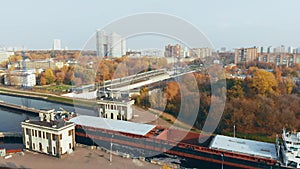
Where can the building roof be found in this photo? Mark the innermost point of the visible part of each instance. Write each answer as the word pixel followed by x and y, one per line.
pixel 244 146
pixel 115 125
pixel 52 124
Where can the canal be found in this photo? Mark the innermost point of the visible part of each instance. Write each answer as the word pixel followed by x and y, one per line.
pixel 10 120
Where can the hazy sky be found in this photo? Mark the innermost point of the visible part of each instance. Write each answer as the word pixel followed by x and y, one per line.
pixel 230 23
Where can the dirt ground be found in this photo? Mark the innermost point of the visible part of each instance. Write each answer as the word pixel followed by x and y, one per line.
pixel 81 158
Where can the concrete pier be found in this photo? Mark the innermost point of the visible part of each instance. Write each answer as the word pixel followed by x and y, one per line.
pixel 21 108
pixel 10 134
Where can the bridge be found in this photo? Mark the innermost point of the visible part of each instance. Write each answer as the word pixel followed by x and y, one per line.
pixel 142 79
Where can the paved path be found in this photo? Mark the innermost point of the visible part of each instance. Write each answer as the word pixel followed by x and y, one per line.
pixel 81 158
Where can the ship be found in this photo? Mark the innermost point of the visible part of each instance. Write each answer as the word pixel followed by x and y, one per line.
pixel 144 140
pixel 290 148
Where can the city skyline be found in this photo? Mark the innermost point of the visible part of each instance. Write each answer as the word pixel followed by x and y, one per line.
pixel 231 24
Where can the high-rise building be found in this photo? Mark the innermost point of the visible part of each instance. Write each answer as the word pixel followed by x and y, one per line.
pixel 173 50
pixel 279 49
pixel 113 44
pixel 201 52
pixel 297 50
pixel 261 49
pixel 290 49
pixel 270 49
pixel 244 55
pixel 56 44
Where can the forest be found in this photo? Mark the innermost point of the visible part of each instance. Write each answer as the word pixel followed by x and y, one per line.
pixel 260 105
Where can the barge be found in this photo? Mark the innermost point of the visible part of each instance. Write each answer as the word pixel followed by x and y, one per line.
pixel 149 140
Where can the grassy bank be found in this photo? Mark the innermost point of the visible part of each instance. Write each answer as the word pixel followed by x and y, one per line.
pixel 49 97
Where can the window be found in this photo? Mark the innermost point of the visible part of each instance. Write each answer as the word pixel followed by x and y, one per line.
pixel 40 134
pixel 53 137
pixel 35 133
pixel 33 146
pixel 70 146
pixel 70 132
pixel 48 135
pixel 54 152
pixel 60 136
pixel 41 146
pixel 111 115
pixel 28 131
pixel 43 134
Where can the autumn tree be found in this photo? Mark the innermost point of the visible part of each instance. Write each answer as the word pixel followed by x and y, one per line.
pixel 49 76
pixel 263 83
pixel 60 76
pixel 87 76
pixel 43 80
pixel 15 58
pixel 235 88
pixel 69 76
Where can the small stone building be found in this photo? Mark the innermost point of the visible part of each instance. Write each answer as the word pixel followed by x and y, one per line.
pixel 50 137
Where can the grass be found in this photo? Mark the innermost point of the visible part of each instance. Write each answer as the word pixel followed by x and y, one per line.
pixel 257 137
pixel 56 88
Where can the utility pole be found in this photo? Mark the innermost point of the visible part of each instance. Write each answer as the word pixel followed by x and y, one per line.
pixel 110 152
pixel 222 156
pixel 234 130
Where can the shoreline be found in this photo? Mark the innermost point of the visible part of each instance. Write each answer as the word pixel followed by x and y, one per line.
pixel 48 97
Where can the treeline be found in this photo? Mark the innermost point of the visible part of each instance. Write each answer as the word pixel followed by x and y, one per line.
pixel 87 69
pixel 263 103
pixel 70 75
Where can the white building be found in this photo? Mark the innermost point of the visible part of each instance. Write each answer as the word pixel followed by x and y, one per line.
pixel 20 78
pixel 110 44
pixel 201 52
pixel 117 110
pixel 4 56
pixel 290 49
pixel 279 49
pixel 49 137
pixel 56 44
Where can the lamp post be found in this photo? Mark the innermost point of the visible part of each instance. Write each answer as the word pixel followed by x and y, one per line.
pixel 222 156
pixel 234 130
pixel 110 152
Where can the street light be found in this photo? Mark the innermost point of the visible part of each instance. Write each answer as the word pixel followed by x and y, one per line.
pixel 234 130
pixel 222 161
pixel 111 144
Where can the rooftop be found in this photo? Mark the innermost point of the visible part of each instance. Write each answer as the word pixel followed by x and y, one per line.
pixel 115 125
pixel 52 124
pixel 244 146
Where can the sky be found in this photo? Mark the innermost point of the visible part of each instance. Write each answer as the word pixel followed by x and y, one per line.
pixel 229 23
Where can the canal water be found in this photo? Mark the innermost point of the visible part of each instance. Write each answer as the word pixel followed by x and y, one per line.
pixel 10 120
